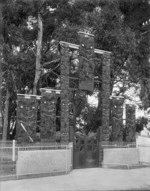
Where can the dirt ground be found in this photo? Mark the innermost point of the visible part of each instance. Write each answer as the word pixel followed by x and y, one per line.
pixel 91 179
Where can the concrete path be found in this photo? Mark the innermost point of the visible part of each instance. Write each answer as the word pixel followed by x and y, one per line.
pixel 85 180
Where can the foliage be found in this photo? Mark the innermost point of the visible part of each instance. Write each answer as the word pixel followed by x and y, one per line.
pixel 140 123
pixel 117 28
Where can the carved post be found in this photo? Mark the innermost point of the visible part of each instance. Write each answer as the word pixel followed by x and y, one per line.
pixel 26 118
pixel 117 122
pixel 48 115
pixel 86 66
pixel 105 97
pixel 71 117
pixel 65 67
pixel 130 122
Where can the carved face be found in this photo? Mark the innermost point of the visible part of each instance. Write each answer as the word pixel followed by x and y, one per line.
pixel 130 109
pixel 87 42
pixel 86 46
pixel 47 104
pixel 26 109
pixel 65 49
pixel 117 101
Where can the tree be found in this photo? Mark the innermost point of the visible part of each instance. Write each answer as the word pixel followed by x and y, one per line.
pixel 1 57
pixel 38 54
pixel 22 67
pixel 33 29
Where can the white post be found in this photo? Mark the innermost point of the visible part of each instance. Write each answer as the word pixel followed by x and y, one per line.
pixel 71 155
pixel 13 151
pixel 66 159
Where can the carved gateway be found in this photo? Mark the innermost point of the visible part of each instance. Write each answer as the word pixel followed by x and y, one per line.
pixel 86 80
pixel 85 77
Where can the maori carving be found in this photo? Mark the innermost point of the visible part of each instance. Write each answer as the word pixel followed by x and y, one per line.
pixel 117 114
pixel 130 122
pixel 86 61
pixel 65 69
pixel 105 97
pixel 26 118
pixel 48 115
pixel 86 70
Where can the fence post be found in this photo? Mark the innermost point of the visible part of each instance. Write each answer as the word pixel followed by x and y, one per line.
pixel 66 159
pixel 13 150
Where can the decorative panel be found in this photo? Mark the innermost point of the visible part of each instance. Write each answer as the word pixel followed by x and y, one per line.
pixel 130 123
pixel 117 118
pixel 48 115
pixel 65 69
pixel 86 61
pixel 105 97
pixel 26 118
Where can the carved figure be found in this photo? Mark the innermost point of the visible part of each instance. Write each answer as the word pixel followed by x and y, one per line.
pixel 27 116
pixel 65 69
pixel 48 116
pixel 130 123
pixel 86 62
pixel 117 113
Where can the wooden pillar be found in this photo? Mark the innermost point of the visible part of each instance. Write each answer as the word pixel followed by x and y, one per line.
pixel 130 123
pixel 105 132
pixel 48 114
pixel 65 68
pixel 117 118
pixel 71 117
pixel 26 118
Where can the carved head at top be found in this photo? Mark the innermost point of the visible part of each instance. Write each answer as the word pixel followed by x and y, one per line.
pixel 86 41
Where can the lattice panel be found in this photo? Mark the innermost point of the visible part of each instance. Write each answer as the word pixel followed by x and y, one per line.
pixel 86 61
pixel 48 115
pixel 26 118
pixel 65 70
pixel 117 118
pixel 130 123
pixel 105 97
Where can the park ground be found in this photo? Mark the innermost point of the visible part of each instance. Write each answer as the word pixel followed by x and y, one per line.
pixel 91 179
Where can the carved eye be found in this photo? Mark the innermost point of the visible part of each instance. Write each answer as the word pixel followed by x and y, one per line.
pixel 33 107
pixel 82 45
pixel 21 106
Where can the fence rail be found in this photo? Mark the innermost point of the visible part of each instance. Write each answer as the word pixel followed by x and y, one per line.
pixel 118 145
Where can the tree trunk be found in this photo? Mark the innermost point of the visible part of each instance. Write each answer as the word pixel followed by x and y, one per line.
pixel 38 54
pixel 1 57
pixel 5 127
